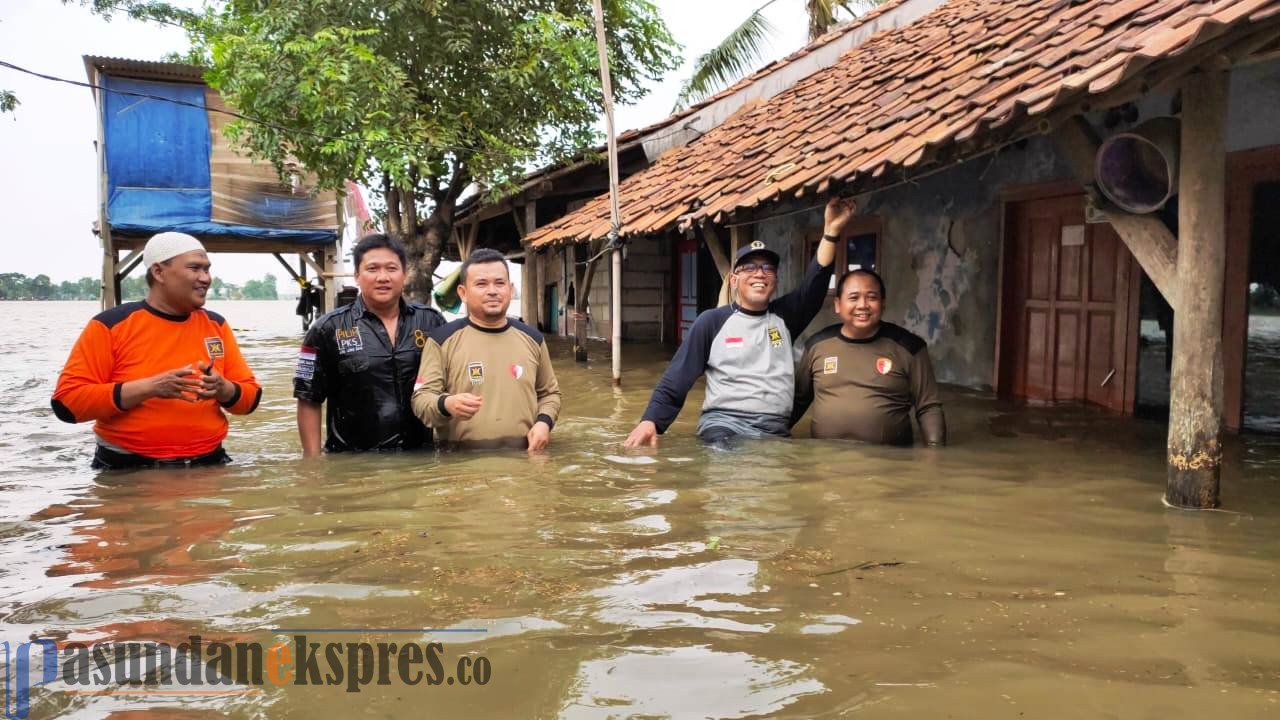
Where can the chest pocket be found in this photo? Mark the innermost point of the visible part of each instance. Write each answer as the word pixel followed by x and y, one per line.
pixel 353 364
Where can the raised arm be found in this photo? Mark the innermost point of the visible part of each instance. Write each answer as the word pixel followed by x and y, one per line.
pixel 798 307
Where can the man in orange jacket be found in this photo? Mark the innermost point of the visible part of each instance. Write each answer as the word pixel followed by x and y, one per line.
pixel 122 374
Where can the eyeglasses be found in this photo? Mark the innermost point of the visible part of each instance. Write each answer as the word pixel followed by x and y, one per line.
pixel 753 268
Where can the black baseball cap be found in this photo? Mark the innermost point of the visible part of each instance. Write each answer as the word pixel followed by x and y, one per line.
pixel 756 247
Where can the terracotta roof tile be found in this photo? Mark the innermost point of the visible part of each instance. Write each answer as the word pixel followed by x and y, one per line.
pixel 968 67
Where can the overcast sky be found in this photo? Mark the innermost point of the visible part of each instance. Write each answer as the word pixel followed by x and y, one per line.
pixel 47 178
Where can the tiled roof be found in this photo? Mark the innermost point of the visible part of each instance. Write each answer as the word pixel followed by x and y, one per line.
pixel 968 68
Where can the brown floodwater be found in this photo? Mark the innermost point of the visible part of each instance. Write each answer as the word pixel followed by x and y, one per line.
pixel 1027 571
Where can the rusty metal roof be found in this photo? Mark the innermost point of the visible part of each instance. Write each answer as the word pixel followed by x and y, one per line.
pixel 143 69
pixel 966 70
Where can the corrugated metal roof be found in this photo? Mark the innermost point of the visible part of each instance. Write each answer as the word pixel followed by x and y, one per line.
pixel 969 67
pixel 143 69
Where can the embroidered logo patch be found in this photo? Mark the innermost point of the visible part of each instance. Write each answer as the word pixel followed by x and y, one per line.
pixel 306 369
pixel 517 371
pixel 884 365
pixel 214 347
pixel 830 365
pixel 349 340
pixel 475 371
pixel 775 336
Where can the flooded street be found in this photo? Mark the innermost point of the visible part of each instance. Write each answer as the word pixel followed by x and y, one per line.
pixel 1029 570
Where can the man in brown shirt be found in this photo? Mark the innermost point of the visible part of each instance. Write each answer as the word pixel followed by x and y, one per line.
pixel 486 380
pixel 864 376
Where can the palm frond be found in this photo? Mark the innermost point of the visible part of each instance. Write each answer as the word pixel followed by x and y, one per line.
pixel 726 62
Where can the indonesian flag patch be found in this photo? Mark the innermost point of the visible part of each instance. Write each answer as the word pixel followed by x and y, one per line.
pixel 306 369
pixel 733 341
pixel 884 365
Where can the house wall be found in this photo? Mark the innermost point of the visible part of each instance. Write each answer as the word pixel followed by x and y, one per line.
pixel 939 255
pixel 940 242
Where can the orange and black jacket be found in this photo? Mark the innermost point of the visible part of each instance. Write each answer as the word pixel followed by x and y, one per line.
pixel 135 341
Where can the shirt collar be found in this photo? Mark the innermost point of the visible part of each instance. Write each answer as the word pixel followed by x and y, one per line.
pixel 360 309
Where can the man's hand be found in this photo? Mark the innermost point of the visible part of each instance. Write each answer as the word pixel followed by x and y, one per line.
pixel 213 385
pixel 185 382
pixel 539 435
pixel 463 406
pixel 646 433
pixel 837 215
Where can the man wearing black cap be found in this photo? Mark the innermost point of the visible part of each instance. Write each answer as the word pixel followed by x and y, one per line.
pixel 744 348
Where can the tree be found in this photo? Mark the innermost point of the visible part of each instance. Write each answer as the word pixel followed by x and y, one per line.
pixel 421 99
pixel 264 289
pixel 740 51
pixel 42 288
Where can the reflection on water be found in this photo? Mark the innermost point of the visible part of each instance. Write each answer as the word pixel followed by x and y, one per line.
pixel 1029 563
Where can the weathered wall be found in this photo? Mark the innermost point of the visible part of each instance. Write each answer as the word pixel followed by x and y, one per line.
pixel 645 289
pixel 939 255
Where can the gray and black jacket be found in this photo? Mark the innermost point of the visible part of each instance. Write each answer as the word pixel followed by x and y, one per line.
pixel 746 355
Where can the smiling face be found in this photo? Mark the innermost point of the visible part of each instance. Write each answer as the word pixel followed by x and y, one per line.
pixel 754 280
pixel 486 292
pixel 380 277
pixel 859 306
pixel 183 281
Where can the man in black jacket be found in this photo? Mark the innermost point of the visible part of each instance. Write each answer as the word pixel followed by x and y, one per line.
pixel 363 359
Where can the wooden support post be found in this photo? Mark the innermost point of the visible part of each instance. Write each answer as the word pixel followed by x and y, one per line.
pixel 328 266
pixel 724 265
pixel 110 281
pixel 582 293
pixel 530 287
pixel 1195 402
pixel 739 237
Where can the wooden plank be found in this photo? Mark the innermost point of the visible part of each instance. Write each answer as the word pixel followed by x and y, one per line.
pixel 1195 402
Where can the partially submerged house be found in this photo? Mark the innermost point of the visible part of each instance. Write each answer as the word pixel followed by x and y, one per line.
pixel 165 165
pixel 970 138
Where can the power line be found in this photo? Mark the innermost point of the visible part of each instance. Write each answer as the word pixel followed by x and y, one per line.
pixel 241 116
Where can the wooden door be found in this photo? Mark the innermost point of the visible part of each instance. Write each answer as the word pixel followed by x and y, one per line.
pixel 686 287
pixel 1069 307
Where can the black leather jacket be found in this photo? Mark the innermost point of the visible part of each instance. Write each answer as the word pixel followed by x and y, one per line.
pixel 348 360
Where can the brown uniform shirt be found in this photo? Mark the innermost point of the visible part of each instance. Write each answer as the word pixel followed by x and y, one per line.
pixel 865 389
pixel 509 367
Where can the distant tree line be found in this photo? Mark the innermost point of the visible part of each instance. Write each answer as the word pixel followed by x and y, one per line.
pixel 16 286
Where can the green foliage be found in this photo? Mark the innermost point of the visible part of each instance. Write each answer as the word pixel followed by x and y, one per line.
pixel 428 94
pixel 264 289
pixel 728 61
pixel 16 286
pixel 8 101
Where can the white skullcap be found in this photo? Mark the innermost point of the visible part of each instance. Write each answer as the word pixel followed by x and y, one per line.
pixel 166 245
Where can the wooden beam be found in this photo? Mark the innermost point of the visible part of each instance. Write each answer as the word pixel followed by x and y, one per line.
pixel 124 266
pixel 1195 401
pixel 723 264
pixel 1147 237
